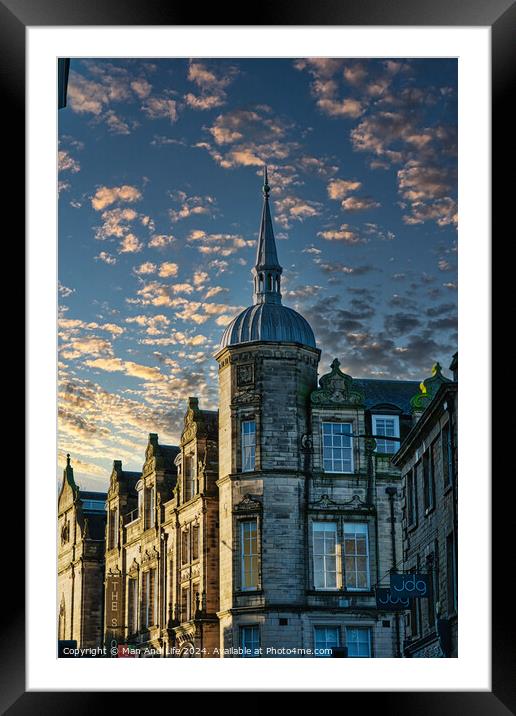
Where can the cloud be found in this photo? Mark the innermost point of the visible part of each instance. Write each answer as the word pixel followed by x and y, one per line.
pixel 66 163
pixel 130 244
pixel 106 257
pixel 345 234
pixel 64 291
pixel 141 87
pixel 146 268
pixel 211 84
pixel 339 188
pixel 191 206
pixel 358 203
pixel 168 269
pixel 160 241
pixel 105 196
pixel 153 325
pixel 293 208
pixel 160 108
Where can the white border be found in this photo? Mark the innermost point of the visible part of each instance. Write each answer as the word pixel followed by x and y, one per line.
pixel 471 671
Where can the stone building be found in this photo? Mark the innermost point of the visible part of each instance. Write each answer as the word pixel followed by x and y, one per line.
pixel 81 522
pixel 269 529
pixel 428 462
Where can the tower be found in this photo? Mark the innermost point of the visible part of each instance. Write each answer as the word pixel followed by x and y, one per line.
pixel 267 370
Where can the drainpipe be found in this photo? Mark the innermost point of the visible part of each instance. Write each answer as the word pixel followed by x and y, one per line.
pixel 391 492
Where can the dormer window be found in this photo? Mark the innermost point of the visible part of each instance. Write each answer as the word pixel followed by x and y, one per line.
pixel 389 426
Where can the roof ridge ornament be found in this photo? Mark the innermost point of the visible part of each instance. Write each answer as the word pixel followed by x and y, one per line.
pixel 336 388
pixel 428 388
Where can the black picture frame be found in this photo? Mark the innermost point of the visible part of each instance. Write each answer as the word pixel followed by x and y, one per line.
pixel 500 16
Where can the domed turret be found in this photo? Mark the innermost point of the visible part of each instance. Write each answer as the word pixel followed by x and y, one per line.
pixel 267 320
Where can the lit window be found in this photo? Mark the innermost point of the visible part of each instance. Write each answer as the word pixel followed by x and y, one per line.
pixel 356 556
pixel 325 555
pixel 388 426
pixel 337 447
pixel 358 641
pixel 190 477
pixel 325 639
pixel 248 445
pixel 249 553
pixel 250 641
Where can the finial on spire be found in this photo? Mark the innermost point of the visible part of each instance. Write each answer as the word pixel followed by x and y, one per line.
pixel 267 271
pixel 266 187
pixel 67 459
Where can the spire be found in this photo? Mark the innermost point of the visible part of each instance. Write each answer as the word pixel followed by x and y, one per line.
pixel 267 270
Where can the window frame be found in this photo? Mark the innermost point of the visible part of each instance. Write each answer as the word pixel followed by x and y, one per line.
pixel 359 628
pixel 334 528
pixel 327 627
pixel 256 555
pixel 395 445
pixel 341 447
pixel 244 644
pixel 356 555
pixel 247 447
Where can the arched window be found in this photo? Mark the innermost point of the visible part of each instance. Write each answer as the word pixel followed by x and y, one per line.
pixel 269 282
pixel 261 283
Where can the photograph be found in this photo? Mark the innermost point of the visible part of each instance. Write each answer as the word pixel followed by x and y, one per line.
pixel 257 357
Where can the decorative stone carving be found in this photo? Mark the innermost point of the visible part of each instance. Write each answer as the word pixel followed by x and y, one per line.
pixel 245 374
pixel 336 389
pixel 249 503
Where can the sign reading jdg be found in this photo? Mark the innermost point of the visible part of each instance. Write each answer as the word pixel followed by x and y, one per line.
pixel 405 586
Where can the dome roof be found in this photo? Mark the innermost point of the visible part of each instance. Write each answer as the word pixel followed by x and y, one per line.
pixel 268 322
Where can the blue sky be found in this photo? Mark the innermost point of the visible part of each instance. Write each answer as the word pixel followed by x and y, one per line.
pixel 160 166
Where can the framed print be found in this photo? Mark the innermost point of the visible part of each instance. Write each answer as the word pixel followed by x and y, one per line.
pixel 248 247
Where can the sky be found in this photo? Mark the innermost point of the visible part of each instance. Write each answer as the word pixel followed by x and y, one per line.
pixel 160 164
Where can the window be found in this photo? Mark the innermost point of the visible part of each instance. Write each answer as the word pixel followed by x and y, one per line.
pixel 249 553
pixel 325 638
pixel 113 528
pixel 445 453
pixel 190 477
pixel 414 613
pixel 356 556
pixel 411 496
pixel 388 425
pixel 337 447
pixel 358 641
pixel 149 507
pixel 325 555
pixel 94 505
pixel 248 445
pixel 428 480
pixel 195 542
pixel 149 598
pixel 140 503
pixel 185 604
pixel 432 569
pixel 185 547
pixel 132 605
pixel 250 641
pixel 450 574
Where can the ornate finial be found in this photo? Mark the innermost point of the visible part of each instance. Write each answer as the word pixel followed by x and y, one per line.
pixel 67 459
pixel 266 187
pixel 437 368
pixel 335 365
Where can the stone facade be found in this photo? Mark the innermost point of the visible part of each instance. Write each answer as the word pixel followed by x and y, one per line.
pixel 81 520
pixel 428 463
pixel 269 529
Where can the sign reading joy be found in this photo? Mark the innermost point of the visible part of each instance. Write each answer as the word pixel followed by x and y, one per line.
pixel 387 601
pixel 410 585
